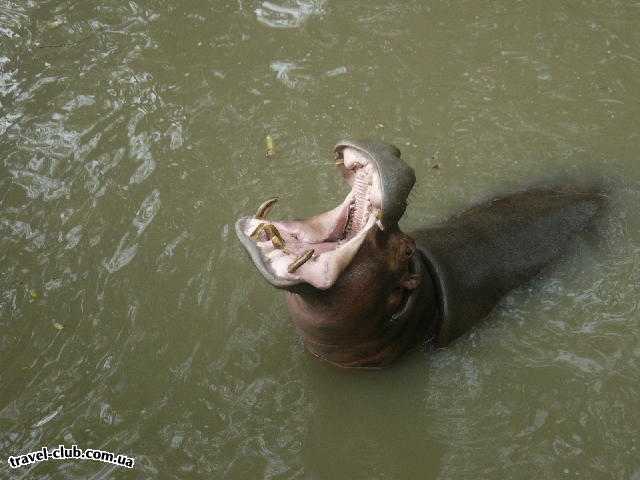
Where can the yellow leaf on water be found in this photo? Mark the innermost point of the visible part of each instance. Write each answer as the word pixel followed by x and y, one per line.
pixel 58 326
pixel 34 294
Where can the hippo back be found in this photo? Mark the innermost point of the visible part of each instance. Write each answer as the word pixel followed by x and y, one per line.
pixel 481 254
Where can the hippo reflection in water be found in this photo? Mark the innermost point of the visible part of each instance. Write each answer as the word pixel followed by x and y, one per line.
pixel 361 292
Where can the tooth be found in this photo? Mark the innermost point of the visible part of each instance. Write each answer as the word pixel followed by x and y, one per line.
pixel 265 208
pixel 301 260
pixel 274 236
pixel 277 242
pixel 347 225
pixel 256 233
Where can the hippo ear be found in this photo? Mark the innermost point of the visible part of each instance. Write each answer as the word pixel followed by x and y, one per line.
pixel 410 281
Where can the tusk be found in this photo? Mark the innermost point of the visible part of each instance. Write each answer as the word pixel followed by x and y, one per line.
pixel 265 208
pixel 256 233
pixel 274 236
pixel 301 260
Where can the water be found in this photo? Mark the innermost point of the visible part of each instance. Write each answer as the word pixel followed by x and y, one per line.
pixel 133 134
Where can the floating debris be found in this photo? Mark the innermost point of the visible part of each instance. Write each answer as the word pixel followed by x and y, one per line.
pixel 270 147
pixel 336 71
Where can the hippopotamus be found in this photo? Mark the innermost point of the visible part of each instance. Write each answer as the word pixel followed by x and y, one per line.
pixel 361 292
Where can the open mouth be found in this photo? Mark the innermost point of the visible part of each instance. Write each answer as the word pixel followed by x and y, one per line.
pixel 318 249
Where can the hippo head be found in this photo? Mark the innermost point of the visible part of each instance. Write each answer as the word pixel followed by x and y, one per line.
pixel 356 287
pixel 317 250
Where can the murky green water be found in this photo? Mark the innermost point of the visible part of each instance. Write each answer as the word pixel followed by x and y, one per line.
pixel 132 134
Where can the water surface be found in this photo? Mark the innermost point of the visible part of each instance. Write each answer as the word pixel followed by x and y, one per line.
pixel 133 134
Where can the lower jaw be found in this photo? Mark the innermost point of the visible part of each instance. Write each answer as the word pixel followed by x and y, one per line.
pixel 292 254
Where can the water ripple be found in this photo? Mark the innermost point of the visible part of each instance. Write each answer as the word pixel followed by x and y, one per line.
pixel 127 248
pixel 291 14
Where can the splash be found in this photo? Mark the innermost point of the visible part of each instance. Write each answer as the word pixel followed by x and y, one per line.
pixel 289 15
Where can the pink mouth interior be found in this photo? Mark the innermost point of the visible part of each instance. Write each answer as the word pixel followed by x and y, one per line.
pixel 334 236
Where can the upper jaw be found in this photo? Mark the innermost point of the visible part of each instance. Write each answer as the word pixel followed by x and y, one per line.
pixel 318 249
pixel 395 178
